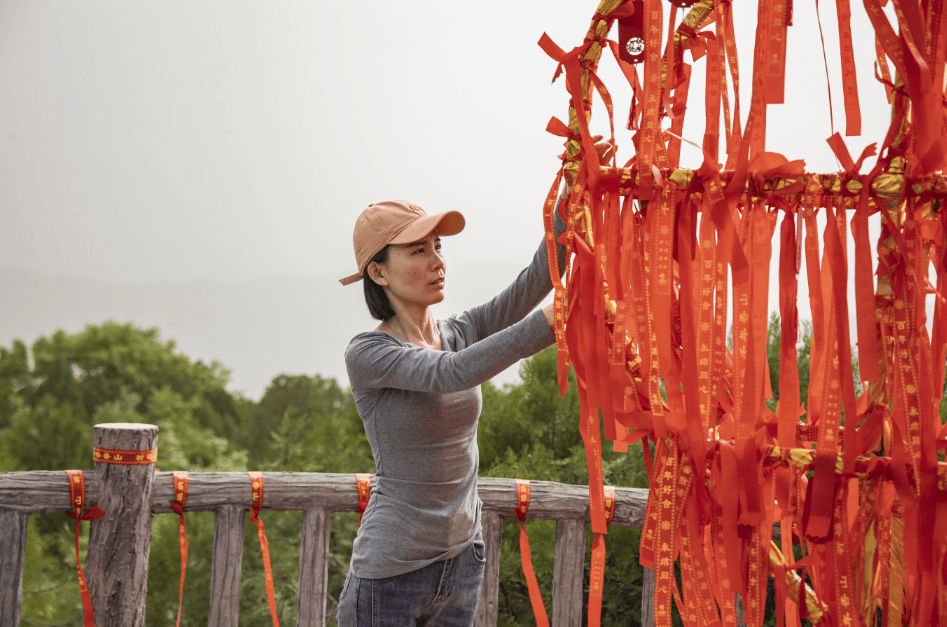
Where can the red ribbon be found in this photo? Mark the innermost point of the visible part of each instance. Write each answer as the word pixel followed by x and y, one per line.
pixel 363 483
pixel 124 458
pixel 256 484
pixel 853 120
pixel 597 568
pixel 559 299
pixel 570 62
pixel 77 498
pixel 650 121
pixel 864 284
pixel 535 598
pixel 180 482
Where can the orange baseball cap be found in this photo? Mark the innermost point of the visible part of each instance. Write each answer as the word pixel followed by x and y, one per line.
pixel 396 222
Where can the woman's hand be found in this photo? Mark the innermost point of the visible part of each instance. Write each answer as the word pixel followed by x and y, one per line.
pixel 605 150
pixel 550 317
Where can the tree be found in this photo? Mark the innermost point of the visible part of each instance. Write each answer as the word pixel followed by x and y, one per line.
pixel 773 343
pixel 14 376
pixel 530 414
pixel 107 363
pixel 316 413
pixel 773 340
pixel 803 359
pixel 52 394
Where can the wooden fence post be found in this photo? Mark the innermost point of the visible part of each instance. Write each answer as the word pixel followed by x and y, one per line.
pixel 12 553
pixel 647 597
pixel 313 567
pixel 229 529
pixel 740 611
pixel 120 541
pixel 567 573
pixel 488 609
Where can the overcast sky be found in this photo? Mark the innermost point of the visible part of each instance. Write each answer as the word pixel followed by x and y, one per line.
pixel 230 141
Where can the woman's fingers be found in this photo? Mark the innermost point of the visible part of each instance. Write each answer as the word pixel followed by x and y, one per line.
pixel 550 317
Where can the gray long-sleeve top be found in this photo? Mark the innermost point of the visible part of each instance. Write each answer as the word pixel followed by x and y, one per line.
pixel 420 409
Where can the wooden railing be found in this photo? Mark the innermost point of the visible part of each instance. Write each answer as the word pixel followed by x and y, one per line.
pixel 119 542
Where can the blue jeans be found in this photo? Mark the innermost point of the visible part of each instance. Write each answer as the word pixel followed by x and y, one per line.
pixel 442 594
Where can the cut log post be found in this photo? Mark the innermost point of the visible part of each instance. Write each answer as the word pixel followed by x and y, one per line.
pixel 647 598
pixel 313 567
pixel 120 541
pixel 568 572
pixel 488 609
pixel 229 526
pixel 12 554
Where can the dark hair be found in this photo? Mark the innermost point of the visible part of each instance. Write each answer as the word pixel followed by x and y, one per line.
pixel 378 304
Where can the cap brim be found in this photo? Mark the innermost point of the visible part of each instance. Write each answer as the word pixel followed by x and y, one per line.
pixel 447 223
pixel 352 278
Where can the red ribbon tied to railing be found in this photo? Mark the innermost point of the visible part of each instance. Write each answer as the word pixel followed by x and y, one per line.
pixel 535 598
pixel 597 569
pixel 77 499
pixel 180 481
pixel 256 484
pixel 363 482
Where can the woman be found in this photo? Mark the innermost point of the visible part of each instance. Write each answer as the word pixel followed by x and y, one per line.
pixel 418 557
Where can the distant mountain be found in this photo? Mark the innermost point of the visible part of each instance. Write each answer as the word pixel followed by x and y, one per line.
pixel 257 328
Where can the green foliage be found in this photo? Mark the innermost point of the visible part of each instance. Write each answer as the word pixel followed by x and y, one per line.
pixel 184 443
pixel 773 342
pixel 529 414
pixel 297 417
pixel 164 570
pixel 803 359
pixel 48 434
pixel 50 587
pixel 14 376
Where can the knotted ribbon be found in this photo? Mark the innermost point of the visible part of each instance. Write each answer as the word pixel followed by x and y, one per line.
pixel 535 598
pixel 256 484
pixel 179 479
pixel 77 497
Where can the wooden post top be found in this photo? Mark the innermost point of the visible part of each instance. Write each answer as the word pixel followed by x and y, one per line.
pixel 127 426
pixel 125 432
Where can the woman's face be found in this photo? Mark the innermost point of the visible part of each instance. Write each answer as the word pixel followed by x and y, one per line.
pixel 414 273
